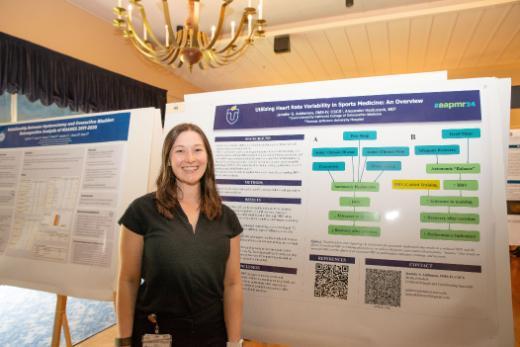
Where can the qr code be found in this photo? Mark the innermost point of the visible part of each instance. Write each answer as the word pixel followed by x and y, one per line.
pixel 331 281
pixel 383 287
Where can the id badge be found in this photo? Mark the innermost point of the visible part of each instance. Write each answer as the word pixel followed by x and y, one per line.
pixel 157 340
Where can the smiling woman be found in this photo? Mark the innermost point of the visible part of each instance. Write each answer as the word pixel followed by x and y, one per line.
pixel 180 254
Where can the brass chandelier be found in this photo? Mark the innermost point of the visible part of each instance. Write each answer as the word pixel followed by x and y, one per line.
pixel 188 45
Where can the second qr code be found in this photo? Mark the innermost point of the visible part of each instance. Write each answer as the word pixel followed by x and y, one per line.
pixel 383 287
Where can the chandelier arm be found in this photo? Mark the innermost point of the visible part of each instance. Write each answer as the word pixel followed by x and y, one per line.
pixel 153 55
pixel 139 44
pixel 213 60
pixel 143 50
pixel 236 53
pixel 182 37
pixel 170 56
pixel 218 60
pixel 168 22
pixel 247 42
pixel 237 34
pixel 148 28
pixel 206 56
pixel 136 39
pixel 173 52
pixel 222 14
pixel 146 47
pixel 202 39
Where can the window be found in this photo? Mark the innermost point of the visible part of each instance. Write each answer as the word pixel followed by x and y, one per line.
pixel 5 108
pixel 25 110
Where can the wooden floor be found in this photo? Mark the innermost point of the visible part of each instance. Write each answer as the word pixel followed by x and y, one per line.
pixel 106 338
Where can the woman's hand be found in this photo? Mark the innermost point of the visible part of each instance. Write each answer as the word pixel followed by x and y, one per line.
pixel 233 297
pixel 129 278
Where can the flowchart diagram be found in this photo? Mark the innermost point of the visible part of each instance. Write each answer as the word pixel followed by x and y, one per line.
pixel 438 193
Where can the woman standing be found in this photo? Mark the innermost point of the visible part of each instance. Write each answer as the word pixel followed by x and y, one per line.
pixel 179 267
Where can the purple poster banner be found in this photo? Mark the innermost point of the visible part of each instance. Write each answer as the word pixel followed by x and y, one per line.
pixel 332 259
pixel 250 182
pixel 267 268
pixel 424 265
pixel 261 200
pixel 259 138
pixel 389 108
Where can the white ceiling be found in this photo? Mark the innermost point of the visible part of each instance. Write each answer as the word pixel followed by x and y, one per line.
pixel 374 37
pixel 277 12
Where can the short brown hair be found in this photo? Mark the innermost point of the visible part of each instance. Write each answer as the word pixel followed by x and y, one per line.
pixel 166 199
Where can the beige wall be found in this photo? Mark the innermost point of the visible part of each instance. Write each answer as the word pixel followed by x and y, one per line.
pixel 62 27
pixel 515 118
pixel 504 71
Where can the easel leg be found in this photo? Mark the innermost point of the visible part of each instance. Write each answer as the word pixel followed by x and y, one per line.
pixel 66 330
pixel 60 320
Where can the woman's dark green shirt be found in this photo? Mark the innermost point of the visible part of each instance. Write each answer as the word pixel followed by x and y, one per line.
pixel 182 271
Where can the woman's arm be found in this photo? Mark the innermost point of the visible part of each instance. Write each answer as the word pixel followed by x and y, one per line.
pixel 130 254
pixel 233 300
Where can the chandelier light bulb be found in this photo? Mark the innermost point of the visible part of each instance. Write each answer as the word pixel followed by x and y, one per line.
pixel 213 30
pixel 233 24
pixel 249 24
pixel 130 8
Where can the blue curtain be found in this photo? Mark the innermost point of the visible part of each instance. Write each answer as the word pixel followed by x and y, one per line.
pixel 51 77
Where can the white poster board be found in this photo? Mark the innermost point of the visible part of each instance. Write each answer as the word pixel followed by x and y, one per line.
pixel 63 185
pixel 373 210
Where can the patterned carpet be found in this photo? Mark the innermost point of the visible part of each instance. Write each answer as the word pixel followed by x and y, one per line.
pixel 27 317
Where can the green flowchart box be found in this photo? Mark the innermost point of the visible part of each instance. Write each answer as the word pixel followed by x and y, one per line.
pixel 455 218
pixel 358 216
pixel 454 235
pixel 458 201
pixel 355 186
pixel 472 168
pixel 352 230
pixel 460 185
pixel 354 202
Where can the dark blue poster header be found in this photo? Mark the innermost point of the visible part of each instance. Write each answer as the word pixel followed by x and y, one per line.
pixel 102 128
pixel 389 108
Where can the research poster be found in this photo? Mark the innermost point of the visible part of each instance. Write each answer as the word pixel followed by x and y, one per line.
pixel 372 210
pixel 61 194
